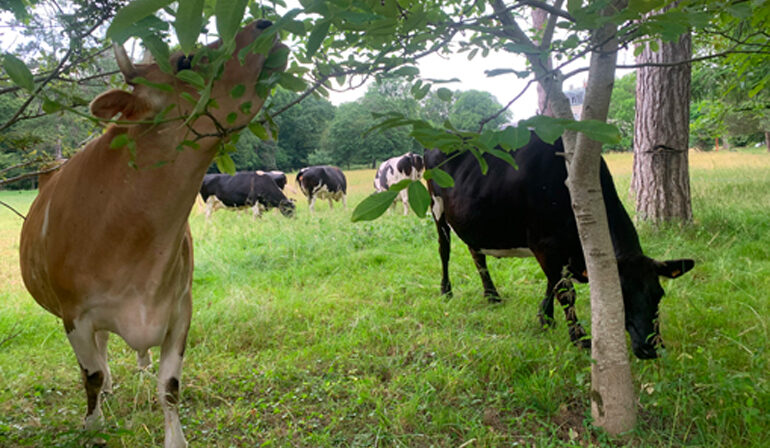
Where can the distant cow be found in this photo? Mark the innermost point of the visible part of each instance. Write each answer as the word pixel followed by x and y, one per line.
pixel 396 169
pixel 527 212
pixel 245 189
pixel 323 182
pixel 278 176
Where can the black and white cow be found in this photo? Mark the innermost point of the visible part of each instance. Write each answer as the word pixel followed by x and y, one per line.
pixel 396 169
pixel 245 189
pixel 323 182
pixel 527 212
pixel 278 176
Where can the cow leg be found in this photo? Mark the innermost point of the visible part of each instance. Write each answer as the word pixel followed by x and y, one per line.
pixel 102 338
pixel 331 203
pixel 344 202
pixel 170 371
pixel 143 359
pixel 256 211
pixel 444 248
pixel 405 201
pixel 93 367
pixel 565 293
pixel 545 314
pixel 209 207
pixel 311 201
pixel 490 292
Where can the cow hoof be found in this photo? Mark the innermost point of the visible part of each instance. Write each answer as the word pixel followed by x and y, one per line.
pixel 583 343
pixel 494 299
pixel 546 322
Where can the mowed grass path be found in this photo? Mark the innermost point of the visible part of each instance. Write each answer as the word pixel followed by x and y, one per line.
pixel 319 332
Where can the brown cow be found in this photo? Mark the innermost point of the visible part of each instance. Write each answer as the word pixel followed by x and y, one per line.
pixel 107 247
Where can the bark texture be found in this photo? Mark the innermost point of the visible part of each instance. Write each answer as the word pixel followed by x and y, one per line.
pixel 661 178
pixel 539 18
pixel 613 399
pixel 613 402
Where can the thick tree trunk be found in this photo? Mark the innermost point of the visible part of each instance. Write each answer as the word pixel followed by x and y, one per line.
pixel 661 177
pixel 613 402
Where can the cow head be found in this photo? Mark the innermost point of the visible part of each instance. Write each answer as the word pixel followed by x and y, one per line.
pixel 287 208
pixel 233 93
pixel 639 279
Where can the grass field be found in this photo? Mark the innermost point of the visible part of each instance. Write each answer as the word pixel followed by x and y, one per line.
pixel 318 332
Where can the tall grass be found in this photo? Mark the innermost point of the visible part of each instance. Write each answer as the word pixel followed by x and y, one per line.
pixel 316 332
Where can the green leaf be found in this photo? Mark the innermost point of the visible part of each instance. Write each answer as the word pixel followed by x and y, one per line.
pixel 741 10
pixel 444 94
pixel 441 177
pixel 514 137
pixel 160 86
pixel 277 59
pixel 188 23
pixel 295 27
pixel 419 198
pixel 498 72
pixel 400 185
pixel 18 7
pixel 373 206
pixel 132 13
pixel 229 14
pixel 292 82
pixel 159 50
pixel 231 117
pixel 258 130
pixel 406 70
pixel 50 106
pixel 119 141
pixel 503 155
pixel 547 128
pixel 18 72
pixel 225 163
pixel 316 37
pixel 596 130
pixel 191 78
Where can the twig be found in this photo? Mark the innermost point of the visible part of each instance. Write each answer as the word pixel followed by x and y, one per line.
pixel 32 174
pixel 11 335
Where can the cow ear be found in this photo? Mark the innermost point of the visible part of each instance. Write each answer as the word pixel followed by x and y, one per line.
pixel 115 101
pixel 674 268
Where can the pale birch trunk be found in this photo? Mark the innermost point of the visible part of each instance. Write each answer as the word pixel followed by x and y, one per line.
pixel 613 402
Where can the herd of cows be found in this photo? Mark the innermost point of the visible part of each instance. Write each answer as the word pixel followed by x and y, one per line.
pixel 107 247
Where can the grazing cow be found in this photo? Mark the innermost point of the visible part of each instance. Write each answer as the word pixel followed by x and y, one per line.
pixel 278 176
pixel 106 245
pixel 246 189
pixel 396 169
pixel 323 182
pixel 527 211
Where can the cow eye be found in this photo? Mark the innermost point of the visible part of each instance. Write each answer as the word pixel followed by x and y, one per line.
pixel 184 63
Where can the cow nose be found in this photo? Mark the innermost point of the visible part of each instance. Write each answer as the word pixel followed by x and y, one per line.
pixel 262 24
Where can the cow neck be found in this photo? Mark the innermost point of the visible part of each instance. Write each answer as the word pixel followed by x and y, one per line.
pixel 625 240
pixel 163 181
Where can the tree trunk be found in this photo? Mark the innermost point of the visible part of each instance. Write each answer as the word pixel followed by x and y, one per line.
pixel 661 177
pixel 613 402
pixel 767 140
pixel 539 18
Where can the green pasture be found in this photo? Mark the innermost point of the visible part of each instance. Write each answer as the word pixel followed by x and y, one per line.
pixel 318 332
